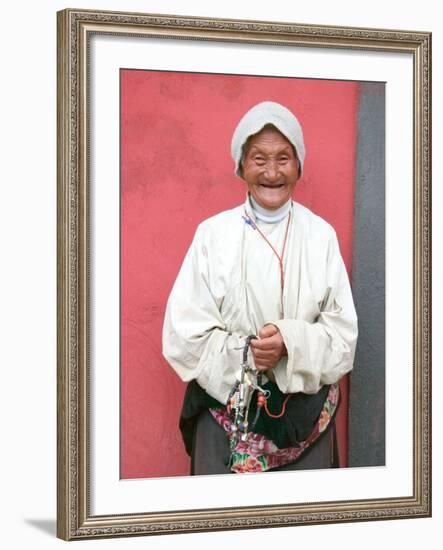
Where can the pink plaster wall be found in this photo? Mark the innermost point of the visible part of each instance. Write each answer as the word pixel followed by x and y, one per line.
pixel 176 170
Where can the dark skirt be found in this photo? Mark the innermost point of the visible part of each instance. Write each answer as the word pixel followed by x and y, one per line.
pixel 210 450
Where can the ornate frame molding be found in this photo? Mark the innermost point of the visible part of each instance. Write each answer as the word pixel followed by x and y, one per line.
pixel 75 28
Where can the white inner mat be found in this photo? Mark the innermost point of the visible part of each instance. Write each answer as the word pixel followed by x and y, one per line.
pixel 109 495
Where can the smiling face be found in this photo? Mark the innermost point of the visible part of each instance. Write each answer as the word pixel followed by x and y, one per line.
pixel 270 168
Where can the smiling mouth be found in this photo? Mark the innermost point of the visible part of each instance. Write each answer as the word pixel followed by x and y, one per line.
pixel 270 186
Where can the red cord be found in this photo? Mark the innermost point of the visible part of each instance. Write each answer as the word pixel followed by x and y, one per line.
pixel 275 416
pixel 280 257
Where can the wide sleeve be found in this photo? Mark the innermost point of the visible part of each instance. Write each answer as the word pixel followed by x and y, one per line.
pixel 321 352
pixel 195 341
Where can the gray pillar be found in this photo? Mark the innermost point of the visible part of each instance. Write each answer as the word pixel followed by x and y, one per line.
pixel 367 390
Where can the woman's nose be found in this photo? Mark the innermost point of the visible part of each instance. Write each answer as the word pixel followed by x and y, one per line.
pixel 271 171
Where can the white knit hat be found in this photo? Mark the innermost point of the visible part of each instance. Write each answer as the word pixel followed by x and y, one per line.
pixel 267 112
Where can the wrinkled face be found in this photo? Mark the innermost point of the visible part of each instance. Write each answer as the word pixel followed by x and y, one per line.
pixel 270 168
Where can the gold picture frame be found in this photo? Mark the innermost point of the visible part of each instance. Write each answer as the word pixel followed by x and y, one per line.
pixel 75 29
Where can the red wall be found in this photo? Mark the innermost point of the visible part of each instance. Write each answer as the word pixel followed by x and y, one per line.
pixel 176 170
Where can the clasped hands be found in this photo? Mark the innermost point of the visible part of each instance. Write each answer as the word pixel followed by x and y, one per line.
pixel 268 349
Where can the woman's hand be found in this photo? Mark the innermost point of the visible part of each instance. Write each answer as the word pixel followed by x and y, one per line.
pixel 268 349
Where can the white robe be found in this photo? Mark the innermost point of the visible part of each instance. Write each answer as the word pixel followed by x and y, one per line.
pixel 229 287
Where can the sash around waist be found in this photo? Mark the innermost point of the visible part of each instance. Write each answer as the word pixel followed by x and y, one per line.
pixel 301 415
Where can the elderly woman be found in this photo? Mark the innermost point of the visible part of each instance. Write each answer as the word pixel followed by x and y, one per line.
pixel 262 289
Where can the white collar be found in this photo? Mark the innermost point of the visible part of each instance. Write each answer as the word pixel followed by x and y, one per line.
pixel 270 216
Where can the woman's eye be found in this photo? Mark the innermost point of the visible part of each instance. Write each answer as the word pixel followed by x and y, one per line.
pixel 259 160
